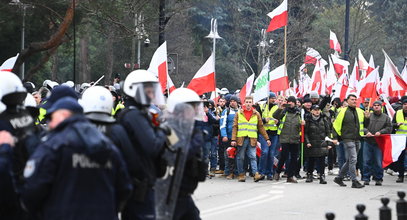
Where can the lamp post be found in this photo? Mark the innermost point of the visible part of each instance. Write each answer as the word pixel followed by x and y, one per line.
pixel 214 35
pixel 139 33
pixel 23 8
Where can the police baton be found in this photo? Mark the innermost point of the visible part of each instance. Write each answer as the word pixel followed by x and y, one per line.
pixel 98 80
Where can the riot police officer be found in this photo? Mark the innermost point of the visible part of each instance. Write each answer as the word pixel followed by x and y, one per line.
pixel 97 103
pixel 16 120
pixel 76 172
pixel 142 90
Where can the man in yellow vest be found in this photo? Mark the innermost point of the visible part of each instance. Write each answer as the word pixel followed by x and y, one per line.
pixel 400 124
pixel 348 127
pixel 270 124
pixel 246 124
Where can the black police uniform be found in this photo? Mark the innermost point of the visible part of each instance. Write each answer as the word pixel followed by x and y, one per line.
pixel 149 143
pixel 194 172
pixel 76 173
pixel 20 124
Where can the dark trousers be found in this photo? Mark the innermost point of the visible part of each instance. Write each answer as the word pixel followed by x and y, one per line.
pixel 185 209
pixel 331 158
pixel 221 152
pixel 288 150
pixel 400 164
pixel 320 162
pixel 140 210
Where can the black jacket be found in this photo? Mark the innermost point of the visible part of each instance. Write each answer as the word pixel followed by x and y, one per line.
pixel 315 133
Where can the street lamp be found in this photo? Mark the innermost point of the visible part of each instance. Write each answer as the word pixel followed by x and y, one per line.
pixel 139 33
pixel 23 7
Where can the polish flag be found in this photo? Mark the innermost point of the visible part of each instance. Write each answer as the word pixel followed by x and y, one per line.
pixel 333 42
pixel 404 73
pixel 392 81
pixel 204 79
pixel 341 87
pixel 279 17
pixel 279 79
pixel 341 66
pixel 390 110
pixel 331 78
pixel 363 64
pixel 391 146
pixel 354 79
pixel 371 66
pixel 312 56
pixel 9 64
pixel 296 88
pixel 171 86
pixel 367 87
pixel 158 65
pixel 318 79
pixel 247 88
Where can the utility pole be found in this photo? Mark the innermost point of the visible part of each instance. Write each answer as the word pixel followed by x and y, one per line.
pixel 161 23
pixel 346 55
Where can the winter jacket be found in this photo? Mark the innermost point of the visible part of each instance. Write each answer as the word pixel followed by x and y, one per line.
pixel 260 129
pixel 290 133
pixel 378 123
pixel 315 133
pixel 226 122
pixel 350 126
pixel 77 173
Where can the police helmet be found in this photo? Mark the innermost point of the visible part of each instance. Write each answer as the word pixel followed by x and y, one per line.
pixel 97 104
pixel 12 89
pixel 143 87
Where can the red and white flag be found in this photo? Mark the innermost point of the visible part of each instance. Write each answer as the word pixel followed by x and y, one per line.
pixel 341 87
pixel 279 17
pixel 204 79
pixel 318 79
pixel 363 64
pixel 312 56
pixel 341 66
pixel 392 81
pixel 9 64
pixel 367 87
pixel 390 110
pixel 158 65
pixel 354 79
pixel 247 88
pixel 279 79
pixel 331 78
pixel 404 73
pixel 370 68
pixel 333 42
pixel 171 86
pixel 391 146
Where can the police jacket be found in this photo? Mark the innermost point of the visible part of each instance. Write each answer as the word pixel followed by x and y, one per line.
pixel 76 173
pixel 146 139
pixel 226 122
pixel 195 167
pixel 9 204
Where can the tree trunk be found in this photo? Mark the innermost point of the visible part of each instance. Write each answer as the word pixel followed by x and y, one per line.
pixel 54 67
pixel 109 58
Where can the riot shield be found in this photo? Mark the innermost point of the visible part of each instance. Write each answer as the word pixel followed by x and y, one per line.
pixel 181 122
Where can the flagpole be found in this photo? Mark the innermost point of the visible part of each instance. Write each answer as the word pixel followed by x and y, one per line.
pixel 285 45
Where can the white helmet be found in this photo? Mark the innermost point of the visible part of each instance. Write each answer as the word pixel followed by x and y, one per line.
pixel 2 106
pixel 30 101
pixel 97 103
pixel 136 85
pixel 84 86
pixel 185 95
pixel 12 88
pixel 224 91
pixel 69 84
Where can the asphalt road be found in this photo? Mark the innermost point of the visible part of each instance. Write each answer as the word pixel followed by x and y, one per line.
pixel 219 198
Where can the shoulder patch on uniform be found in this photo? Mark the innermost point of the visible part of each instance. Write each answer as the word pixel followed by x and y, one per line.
pixel 29 168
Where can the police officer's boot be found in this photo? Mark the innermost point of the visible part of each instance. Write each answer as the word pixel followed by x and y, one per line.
pixel 309 178
pixel 322 179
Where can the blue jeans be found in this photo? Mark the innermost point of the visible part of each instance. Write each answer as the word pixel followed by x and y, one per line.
pixel 213 153
pixel 340 151
pixel 372 162
pixel 267 155
pixel 250 151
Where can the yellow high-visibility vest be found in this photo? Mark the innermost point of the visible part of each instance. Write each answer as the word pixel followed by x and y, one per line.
pixel 118 107
pixel 339 119
pixel 400 119
pixel 266 113
pixel 247 128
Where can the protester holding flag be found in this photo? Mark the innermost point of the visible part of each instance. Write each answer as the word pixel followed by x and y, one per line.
pixel 348 126
pixel 379 124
